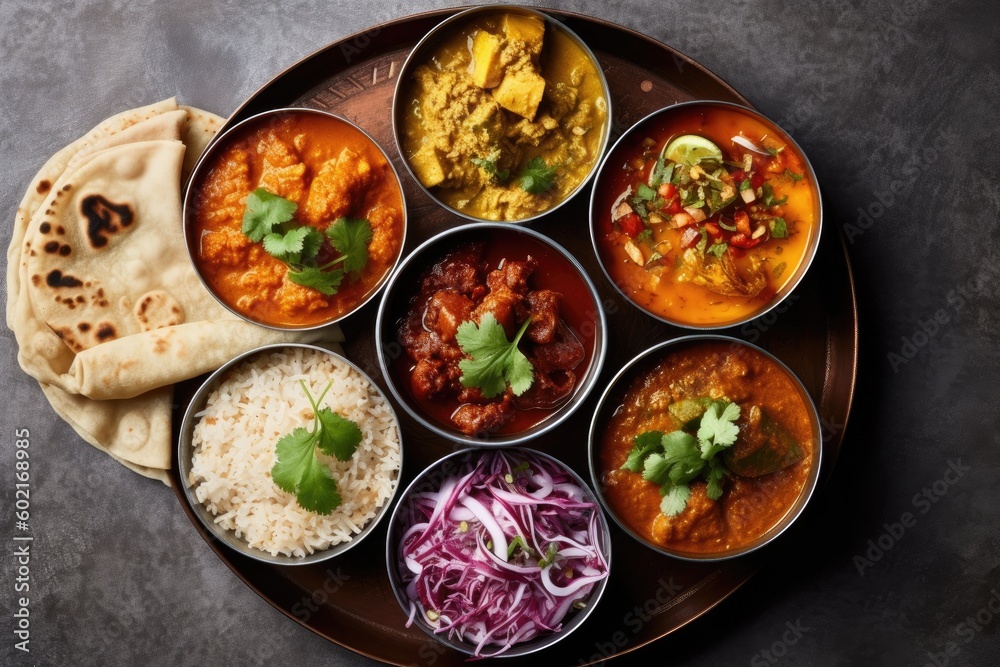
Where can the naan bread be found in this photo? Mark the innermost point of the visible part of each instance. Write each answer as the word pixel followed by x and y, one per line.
pixel 102 297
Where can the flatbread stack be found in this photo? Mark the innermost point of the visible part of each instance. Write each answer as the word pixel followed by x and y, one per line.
pixel 101 294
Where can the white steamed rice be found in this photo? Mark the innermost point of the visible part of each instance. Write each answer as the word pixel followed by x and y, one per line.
pixel 260 401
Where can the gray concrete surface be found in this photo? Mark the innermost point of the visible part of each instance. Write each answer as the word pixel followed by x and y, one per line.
pixel 118 575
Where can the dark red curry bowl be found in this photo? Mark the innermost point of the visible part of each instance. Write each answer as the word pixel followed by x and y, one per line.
pixel 560 383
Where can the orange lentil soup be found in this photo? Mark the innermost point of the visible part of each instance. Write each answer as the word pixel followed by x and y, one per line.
pixel 749 506
pixel 713 242
pixel 330 171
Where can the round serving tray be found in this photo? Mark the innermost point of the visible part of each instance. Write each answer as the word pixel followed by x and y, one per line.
pixel 348 600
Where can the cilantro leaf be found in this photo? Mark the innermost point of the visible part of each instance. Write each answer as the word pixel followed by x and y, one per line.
pixel 779 228
pixel 675 500
pixel 326 282
pixel 311 244
pixel 717 249
pixel 489 165
pixel 298 246
pixel 716 471
pixel 792 175
pixel 264 211
pixel 291 244
pixel 767 193
pixel 537 177
pixel 645 444
pixel 718 431
pixel 338 436
pixel 293 450
pixel 675 459
pixel 351 238
pixel 656 469
pixel 299 471
pixel 494 362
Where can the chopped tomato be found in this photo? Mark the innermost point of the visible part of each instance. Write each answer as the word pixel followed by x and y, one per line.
pixel 739 176
pixel 742 221
pixel 631 224
pixel 744 241
pixel 713 229
pixel 674 206
pixel 757 180
pixel 667 191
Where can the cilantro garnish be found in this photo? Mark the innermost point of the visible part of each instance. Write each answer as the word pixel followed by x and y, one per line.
pixel 792 175
pixel 718 249
pixel 767 193
pixel 537 177
pixel 489 165
pixel 299 471
pixel 672 460
pixel 264 211
pixel 779 228
pixel 268 220
pixel 493 362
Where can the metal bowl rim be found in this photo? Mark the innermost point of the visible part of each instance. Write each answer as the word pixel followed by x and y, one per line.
pixel 564 411
pixel 802 269
pixel 185 450
pixel 786 520
pixel 208 153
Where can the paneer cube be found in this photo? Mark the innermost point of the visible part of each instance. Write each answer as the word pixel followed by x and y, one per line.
pixel 486 69
pixel 528 29
pixel 427 166
pixel 521 92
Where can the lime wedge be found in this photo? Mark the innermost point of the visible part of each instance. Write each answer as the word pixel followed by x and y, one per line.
pixel 690 149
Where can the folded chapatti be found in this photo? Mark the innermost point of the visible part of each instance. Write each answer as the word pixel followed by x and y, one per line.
pixel 102 297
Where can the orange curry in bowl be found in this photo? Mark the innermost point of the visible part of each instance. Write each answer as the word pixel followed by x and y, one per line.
pixel 704 214
pixel 709 450
pixel 294 219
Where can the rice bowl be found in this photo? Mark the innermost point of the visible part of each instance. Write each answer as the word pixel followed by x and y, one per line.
pixel 248 407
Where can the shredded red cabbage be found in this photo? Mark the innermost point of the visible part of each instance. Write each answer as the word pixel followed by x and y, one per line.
pixel 502 552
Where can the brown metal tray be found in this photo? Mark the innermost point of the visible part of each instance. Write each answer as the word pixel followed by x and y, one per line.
pixel 348 600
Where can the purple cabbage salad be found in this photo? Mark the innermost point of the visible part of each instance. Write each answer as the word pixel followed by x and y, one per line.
pixel 502 552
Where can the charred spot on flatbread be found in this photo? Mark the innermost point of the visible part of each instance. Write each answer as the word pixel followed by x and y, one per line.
pixel 158 309
pixel 104 218
pixel 105 332
pixel 43 187
pixel 56 279
pixel 45 228
pixel 72 342
pixel 53 247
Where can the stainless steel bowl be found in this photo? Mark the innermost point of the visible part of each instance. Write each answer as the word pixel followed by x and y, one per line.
pixel 404 285
pixel 185 452
pixel 432 39
pixel 613 160
pixel 612 400
pixel 205 162
pixel 431 479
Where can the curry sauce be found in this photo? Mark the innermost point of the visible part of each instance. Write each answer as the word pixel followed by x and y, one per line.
pixel 492 95
pixel 330 170
pixel 749 506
